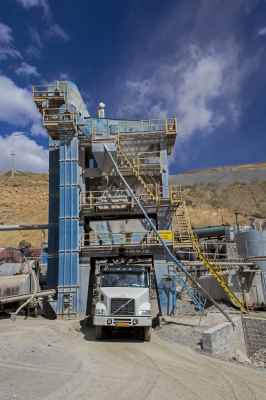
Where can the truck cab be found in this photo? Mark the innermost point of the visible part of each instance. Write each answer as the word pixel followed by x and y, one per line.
pixel 123 299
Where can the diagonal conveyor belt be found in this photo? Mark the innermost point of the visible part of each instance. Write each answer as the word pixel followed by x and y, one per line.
pixel 177 262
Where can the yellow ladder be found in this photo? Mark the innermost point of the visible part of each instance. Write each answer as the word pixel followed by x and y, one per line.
pixel 134 169
pixel 183 230
pixel 182 237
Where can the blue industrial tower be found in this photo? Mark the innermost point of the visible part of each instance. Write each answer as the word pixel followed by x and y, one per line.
pixel 92 215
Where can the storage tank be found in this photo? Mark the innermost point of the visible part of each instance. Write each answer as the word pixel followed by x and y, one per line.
pixel 252 246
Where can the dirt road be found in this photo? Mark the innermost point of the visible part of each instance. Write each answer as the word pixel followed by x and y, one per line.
pixel 53 360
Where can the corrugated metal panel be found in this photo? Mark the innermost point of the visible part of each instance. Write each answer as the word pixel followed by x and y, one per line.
pixel 68 274
pixel 69 235
pixel 68 268
pixel 69 202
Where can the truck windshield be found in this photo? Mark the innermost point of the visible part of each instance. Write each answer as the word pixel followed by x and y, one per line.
pixel 124 279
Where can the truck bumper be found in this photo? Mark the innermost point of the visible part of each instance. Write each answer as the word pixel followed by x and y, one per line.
pixel 122 321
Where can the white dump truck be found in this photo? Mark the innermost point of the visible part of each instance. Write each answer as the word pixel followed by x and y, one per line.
pixel 122 300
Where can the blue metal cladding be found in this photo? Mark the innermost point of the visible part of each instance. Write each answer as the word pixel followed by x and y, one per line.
pixel 68 276
pixel 53 234
pixel 69 235
pixel 69 202
pixel 68 270
pixel 104 126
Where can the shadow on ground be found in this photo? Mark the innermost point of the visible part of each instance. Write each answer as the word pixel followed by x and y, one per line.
pixel 127 335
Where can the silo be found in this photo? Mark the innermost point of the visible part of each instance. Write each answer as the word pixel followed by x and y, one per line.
pixel 252 246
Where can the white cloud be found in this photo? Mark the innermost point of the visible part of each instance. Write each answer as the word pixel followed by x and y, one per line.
pixel 26 69
pixel 262 31
pixel 64 76
pixel 7 48
pixel 17 106
pixel 27 4
pixel 29 155
pixel 34 49
pixel 201 89
pixel 35 37
pixel 30 3
pixel 54 30
pixel 57 31
pixel 5 34
pixel 37 129
pixel 205 97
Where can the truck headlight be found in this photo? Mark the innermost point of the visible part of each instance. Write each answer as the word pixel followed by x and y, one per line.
pixel 145 312
pixel 100 309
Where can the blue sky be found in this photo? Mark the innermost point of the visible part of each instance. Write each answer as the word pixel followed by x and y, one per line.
pixel 201 60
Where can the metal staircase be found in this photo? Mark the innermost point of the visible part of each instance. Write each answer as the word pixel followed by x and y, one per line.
pixel 135 171
pixel 189 284
pixel 184 236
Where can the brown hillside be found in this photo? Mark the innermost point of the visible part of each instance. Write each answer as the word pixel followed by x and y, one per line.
pixel 216 204
pixel 24 199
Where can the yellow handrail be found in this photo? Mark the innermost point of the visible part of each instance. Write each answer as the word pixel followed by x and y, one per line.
pixel 214 269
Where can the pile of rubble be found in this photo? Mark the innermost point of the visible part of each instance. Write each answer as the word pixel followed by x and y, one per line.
pixel 259 358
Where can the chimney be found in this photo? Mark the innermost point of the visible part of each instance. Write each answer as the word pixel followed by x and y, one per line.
pixel 101 110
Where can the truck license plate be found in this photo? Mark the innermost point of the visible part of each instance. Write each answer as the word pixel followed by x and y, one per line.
pixel 122 324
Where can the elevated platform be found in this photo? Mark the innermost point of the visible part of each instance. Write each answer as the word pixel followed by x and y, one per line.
pixel 52 95
pixel 135 134
pixel 118 202
pixel 59 122
pixel 109 243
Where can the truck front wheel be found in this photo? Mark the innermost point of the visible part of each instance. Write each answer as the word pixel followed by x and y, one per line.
pixel 147 334
pixel 99 332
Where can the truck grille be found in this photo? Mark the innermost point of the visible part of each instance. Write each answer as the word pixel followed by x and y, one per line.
pixel 123 306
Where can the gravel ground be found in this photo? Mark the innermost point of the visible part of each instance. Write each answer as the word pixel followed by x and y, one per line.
pixel 187 329
pixel 180 333
pixel 56 360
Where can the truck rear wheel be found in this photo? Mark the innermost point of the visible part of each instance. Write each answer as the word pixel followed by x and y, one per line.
pixel 147 334
pixel 99 332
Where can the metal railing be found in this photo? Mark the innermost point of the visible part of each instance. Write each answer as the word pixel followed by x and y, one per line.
pixel 58 116
pixel 48 91
pixel 114 127
pixel 101 200
pixel 175 194
pixel 142 160
pixel 121 239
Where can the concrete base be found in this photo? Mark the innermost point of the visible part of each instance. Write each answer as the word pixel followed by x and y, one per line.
pixel 225 340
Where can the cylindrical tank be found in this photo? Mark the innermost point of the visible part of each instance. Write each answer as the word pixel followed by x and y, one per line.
pixel 252 246
pixel 213 231
pixel 15 285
